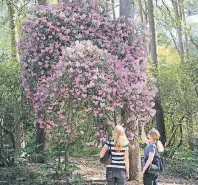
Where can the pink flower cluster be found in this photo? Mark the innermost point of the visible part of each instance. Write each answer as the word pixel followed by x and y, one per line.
pixel 77 59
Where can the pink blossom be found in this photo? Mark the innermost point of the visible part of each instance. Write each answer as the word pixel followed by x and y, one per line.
pixel 101 72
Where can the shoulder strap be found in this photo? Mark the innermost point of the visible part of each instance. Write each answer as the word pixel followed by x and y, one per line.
pixel 110 144
pixel 158 154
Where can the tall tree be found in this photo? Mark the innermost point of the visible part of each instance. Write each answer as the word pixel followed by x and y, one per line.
pixel 153 49
pixel 141 10
pixel 11 13
pixel 127 10
pixel 113 8
pixel 178 18
pixel 13 22
pixel 40 132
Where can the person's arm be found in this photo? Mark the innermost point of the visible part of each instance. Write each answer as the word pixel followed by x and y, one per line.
pixel 143 136
pixel 148 162
pixel 126 159
pixel 103 151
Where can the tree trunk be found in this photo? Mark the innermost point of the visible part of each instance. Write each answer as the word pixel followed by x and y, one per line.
pixel 153 43
pixel 67 148
pixel 1 144
pixel 141 10
pixel 134 159
pixel 185 27
pixel 47 142
pixel 178 17
pixel 11 13
pixel 18 124
pixel 134 148
pixel 40 139
pixel 42 2
pixel 113 9
pixel 190 132
pixel 127 8
pixel 159 118
pixel 39 156
pixel 40 132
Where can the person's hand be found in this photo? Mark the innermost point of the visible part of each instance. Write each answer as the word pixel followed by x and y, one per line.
pixel 142 173
pixel 127 176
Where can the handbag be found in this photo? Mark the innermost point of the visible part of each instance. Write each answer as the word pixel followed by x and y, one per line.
pixel 106 159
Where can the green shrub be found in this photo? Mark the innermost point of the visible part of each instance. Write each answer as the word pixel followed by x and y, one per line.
pixel 183 164
pixel 82 150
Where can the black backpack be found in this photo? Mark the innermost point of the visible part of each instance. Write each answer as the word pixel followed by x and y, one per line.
pixel 157 165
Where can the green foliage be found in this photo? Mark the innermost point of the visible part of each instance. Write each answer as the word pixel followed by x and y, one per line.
pixel 13 107
pixel 39 175
pixel 178 95
pixel 191 67
pixel 10 92
pixel 82 150
pixel 9 80
pixel 170 79
pixel 183 164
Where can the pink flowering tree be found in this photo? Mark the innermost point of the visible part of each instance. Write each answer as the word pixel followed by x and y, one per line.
pixel 78 61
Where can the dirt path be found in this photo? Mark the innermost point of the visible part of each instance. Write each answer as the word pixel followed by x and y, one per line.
pixel 93 171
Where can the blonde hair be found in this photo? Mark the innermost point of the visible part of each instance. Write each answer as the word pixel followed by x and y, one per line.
pixel 119 137
pixel 154 133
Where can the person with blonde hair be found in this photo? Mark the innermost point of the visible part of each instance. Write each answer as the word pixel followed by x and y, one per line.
pixel 153 149
pixel 118 171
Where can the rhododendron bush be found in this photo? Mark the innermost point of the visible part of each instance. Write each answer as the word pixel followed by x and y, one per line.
pixel 78 61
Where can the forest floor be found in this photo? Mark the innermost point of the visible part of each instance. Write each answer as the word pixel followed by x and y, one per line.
pixel 90 169
pixel 93 171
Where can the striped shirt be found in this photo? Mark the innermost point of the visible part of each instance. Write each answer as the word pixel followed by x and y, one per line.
pixel 117 157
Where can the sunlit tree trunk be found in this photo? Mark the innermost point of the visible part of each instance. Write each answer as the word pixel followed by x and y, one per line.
pixel 178 17
pixel 127 10
pixel 186 47
pixel 141 10
pixel 11 13
pixel 134 148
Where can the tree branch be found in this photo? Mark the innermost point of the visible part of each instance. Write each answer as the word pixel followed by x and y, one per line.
pixel 194 43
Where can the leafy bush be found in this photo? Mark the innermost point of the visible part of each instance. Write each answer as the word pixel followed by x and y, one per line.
pixel 183 164
pixel 82 150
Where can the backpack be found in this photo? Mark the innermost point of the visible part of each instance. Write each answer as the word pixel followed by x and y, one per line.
pixel 157 165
